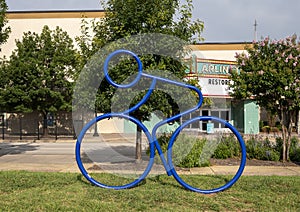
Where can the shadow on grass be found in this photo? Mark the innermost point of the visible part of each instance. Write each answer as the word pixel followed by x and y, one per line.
pixel 162 179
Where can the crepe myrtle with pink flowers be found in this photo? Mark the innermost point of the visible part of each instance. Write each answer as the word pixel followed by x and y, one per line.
pixel 269 72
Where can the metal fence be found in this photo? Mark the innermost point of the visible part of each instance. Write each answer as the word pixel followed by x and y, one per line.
pixel 19 127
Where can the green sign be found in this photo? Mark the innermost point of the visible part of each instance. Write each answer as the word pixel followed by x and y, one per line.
pixel 213 68
pixel 210 68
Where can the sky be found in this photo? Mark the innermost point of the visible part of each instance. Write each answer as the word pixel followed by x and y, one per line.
pixel 224 20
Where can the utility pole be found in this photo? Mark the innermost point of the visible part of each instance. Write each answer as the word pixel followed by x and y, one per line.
pixel 255 30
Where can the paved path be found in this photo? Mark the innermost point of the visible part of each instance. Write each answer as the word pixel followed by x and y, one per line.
pixel 60 157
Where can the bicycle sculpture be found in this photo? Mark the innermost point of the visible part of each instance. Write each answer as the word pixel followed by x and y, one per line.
pixel 153 143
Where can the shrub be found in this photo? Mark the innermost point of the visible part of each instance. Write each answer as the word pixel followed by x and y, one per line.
pixel 190 151
pixel 186 151
pixel 295 155
pixel 227 148
pixel 261 150
pixel 193 147
pixel 295 150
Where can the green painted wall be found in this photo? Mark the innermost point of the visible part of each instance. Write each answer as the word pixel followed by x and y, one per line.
pixel 237 115
pixel 251 117
pixel 245 116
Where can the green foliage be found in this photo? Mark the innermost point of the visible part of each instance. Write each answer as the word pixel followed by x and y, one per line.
pixel 269 72
pixel 188 152
pixel 261 150
pixel 295 150
pixel 124 19
pixel 127 17
pixel 39 74
pixel 227 148
pixel 4 31
pixel 295 155
pixel 163 141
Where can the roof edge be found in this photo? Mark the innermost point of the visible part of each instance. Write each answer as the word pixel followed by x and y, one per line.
pixel 52 11
pixel 217 46
pixel 55 14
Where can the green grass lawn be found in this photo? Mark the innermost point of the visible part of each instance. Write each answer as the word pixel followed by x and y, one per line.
pixel 32 191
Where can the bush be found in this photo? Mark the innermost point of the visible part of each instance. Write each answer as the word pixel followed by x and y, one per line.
pixel 295 150
pixel 201 150
pixel 261 150
pixel 190 151
pixel 186 151
pixel 228 148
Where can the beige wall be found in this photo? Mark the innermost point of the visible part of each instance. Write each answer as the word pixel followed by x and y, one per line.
pixel 21 22
pixel 34 22
pixel 221 51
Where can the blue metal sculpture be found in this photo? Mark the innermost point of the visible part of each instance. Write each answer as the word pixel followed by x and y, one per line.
pixel 153 143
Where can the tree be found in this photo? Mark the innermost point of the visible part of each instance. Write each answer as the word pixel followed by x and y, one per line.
pixel 127 18
pixel 4 31
pixel 39 74
pixel 270 73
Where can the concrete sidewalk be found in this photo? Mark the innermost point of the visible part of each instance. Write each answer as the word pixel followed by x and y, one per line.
pixel 60 157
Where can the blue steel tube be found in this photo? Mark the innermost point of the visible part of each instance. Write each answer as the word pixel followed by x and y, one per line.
pixel 242 162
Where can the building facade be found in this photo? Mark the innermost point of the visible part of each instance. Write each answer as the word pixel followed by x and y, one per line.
pixel 209 63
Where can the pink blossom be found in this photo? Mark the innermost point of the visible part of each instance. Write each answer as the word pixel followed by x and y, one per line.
pixel 295 64
pixel 261 72
pixel 286 60
pixel 243 63
pixel 276 51
pixel 290 56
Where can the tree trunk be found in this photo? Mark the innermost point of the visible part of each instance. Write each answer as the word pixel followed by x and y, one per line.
pixel 287 127
pixel 284 158
pixel 138 150
pixel 45 126
pixel 289 137
pixel 298 122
